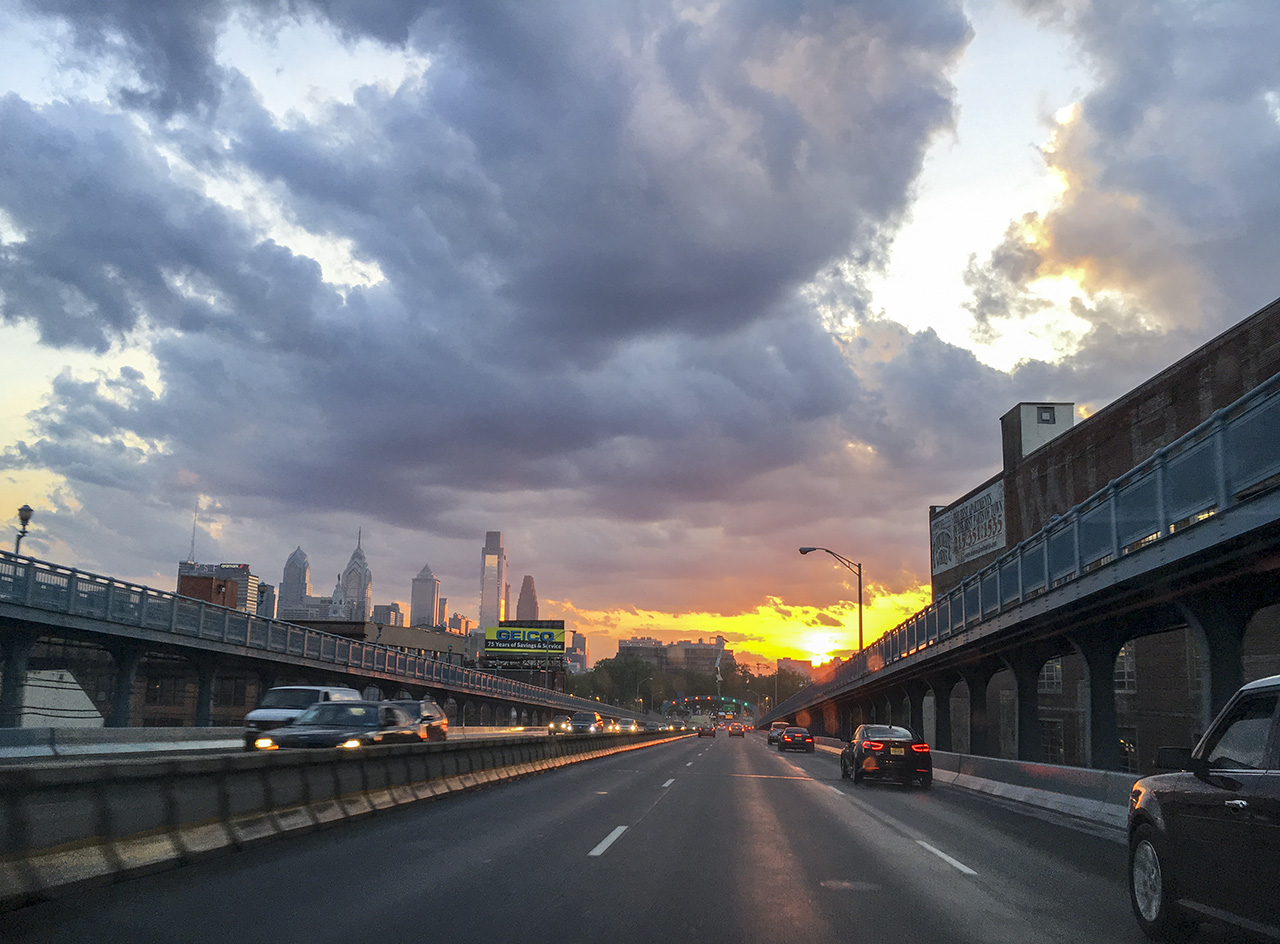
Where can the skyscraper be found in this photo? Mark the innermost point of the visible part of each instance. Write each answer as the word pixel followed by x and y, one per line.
pixel 493 580
pixel 353 596
pixel 527 604
pixel 296 585
pixel 424 599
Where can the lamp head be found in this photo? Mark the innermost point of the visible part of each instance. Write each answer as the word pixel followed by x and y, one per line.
pixel 24 514
pixel 806 550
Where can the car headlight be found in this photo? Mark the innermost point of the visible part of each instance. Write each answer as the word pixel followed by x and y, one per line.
pixel 265 744
pixel 352 742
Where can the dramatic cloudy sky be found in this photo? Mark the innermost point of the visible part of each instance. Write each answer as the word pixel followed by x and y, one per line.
pixel 661 290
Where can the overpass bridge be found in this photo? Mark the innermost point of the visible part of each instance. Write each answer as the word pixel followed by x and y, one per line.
pixel 41 600
pixel 1188 538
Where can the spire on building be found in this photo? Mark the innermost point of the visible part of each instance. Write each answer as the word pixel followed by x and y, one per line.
pixel 527 602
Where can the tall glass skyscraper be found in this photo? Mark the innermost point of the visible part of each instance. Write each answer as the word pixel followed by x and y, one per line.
pixel 493 580
pixel 424 599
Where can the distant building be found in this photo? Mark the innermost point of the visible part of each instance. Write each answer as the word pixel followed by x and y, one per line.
pixel 296 601
pixel 229 585
pixel 388 614
pixel 266 600
pixel 460 624
pixel 424 599
pixel 682 656
pixel 527 603
pixel 576 653
pixel 353 595
pixel 442 612
pixel 798 666
pixel 493 580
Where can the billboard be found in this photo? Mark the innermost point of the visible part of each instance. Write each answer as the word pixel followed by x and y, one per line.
pixel 525 637
pixel 969 530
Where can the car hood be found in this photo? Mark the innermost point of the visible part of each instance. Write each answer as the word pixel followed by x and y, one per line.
pixel 316 736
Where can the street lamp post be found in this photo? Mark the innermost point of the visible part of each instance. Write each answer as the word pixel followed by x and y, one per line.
pixel 638 684
pixel 857 569
pixel 24 516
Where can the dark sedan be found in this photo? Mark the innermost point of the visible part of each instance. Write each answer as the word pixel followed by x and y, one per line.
pixel 706 730
pixel 796 739
pixel 431 717
pixel 887 751
pixel 349 724
pixel 1204 842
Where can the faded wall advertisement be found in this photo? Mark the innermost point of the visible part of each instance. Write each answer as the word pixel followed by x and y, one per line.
pixel 968 530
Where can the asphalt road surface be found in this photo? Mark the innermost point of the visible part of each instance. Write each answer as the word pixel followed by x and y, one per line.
pixel 699 840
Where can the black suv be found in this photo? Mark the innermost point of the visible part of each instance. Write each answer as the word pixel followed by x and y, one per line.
pixel 1204 842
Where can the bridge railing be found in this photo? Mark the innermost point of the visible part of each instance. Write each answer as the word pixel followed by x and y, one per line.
pixel 41 585
pixel 1224 462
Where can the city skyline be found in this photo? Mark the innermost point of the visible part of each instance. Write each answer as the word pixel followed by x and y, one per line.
pixel 661 296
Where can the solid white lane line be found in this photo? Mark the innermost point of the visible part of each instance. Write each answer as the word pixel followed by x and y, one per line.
pixel 947 859
pixel 670 782
pixel 607 841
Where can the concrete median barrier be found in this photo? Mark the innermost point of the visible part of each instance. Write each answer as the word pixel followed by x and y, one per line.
pixel 66 824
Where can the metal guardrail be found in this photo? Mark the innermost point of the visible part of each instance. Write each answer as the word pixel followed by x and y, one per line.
pixel 41 585
pixel 1223 463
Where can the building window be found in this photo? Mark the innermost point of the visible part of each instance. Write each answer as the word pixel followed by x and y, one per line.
pixel 1126 671
pixel 1050 681
pixel 165 690
pixel 229 692
pixel 1051 740
pixel 1129 749
pixel 1045 414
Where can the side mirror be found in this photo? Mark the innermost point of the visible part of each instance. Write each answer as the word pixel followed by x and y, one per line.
pixel 1174 758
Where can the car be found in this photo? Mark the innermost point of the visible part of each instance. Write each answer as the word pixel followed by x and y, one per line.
pixel 560 724
pixel 612 726
pixel 796 739
pixel 1204 839
pixel 887 751
pixel 587 722
pixel 736 730
pixel 629 726
pixel 433 721
pixel 284 703
pixel 706 730
pixel 775 731
pixel 347 724
pixel 654 726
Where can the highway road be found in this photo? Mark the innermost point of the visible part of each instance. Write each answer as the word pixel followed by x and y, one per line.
pixel 698 840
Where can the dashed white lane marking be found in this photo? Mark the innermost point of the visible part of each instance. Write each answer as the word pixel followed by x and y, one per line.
pixel 955 863
pixel 608 841
pixel 670 782
pixel 690 764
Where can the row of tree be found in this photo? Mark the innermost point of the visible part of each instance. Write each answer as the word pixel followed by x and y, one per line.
pixel 626 681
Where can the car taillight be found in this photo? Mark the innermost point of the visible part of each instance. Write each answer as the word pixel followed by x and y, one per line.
pixel 808 739
pixel 872 746
pixel 920 748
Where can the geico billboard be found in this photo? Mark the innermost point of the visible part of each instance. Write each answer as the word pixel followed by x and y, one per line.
pixel 517 639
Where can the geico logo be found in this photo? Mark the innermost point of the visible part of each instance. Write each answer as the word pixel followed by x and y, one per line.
pixel 526 635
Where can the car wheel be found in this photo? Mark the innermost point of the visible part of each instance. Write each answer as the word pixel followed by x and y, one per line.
pixel 857 773
pixel 1151 888
pixel 844 769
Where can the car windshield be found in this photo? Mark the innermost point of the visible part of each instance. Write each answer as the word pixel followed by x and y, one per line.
pixel 887 731
pixel 795 731
pixel 337 715
pixel 584 717
pixel 289 698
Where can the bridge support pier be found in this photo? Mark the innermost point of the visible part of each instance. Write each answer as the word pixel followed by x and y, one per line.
pixel 1220 617
pixel 942 686
pixel 915 692
pixel 16 647
pixel 206 670
pixel 127 659
pixel 978 678
pixel 1098 652
pixel 1026 675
